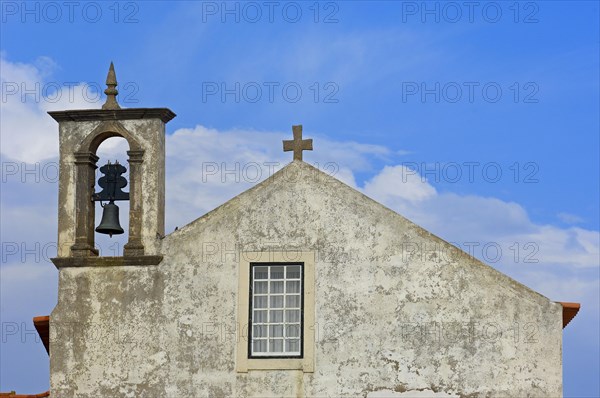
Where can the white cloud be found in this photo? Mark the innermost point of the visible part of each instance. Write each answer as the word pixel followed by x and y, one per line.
pixel 28 133
pixel 463 219
pixel 206 167
pixel 398 183
pixel 565 288
pixel 568 218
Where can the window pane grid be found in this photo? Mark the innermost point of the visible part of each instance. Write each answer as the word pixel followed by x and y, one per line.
pixel 276 310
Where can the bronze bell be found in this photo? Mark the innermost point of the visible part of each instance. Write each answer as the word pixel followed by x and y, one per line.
pixel 110 220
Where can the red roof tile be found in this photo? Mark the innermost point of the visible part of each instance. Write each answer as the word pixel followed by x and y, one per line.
pixel 569 312
pixel 12 394
pixel 42 325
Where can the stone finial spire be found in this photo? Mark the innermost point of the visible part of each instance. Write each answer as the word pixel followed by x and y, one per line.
pixel 111 90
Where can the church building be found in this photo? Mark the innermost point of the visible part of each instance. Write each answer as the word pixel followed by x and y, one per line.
pixel 298 287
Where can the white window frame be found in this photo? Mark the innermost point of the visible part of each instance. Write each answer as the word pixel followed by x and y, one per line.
pixel 245 360
pixel 269 324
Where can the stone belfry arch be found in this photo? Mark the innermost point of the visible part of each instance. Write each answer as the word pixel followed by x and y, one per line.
pixel 80 134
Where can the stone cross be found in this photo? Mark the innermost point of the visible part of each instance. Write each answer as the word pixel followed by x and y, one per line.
pixel 297 144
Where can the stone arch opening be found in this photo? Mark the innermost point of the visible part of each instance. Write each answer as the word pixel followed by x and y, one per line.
pixel 113 149
pixel 86 161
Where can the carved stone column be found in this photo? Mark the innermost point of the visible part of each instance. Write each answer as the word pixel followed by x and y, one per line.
pixel 134 246
pixel 85 163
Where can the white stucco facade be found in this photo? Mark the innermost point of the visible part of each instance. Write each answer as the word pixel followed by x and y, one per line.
pixel 391 318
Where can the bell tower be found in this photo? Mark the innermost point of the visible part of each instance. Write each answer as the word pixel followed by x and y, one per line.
pixel 80 134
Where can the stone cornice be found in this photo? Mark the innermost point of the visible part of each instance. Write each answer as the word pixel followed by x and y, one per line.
pixel 83 115
pixel 62 262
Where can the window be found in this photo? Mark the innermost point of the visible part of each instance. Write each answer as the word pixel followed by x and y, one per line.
pixel 276 310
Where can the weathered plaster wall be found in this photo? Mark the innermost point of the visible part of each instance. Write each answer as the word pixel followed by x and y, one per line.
pixel 170 330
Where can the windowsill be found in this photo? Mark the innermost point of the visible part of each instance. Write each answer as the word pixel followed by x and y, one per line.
pixel 277 364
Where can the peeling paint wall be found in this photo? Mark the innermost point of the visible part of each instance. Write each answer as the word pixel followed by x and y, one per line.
pixel 390 319
pixel 410 394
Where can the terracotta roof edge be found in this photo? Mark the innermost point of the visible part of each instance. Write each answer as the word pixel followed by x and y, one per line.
pixel 42 325
pixel 13 395
pixel 570 310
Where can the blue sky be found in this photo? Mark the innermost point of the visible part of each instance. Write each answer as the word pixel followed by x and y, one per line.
pixel 480 124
